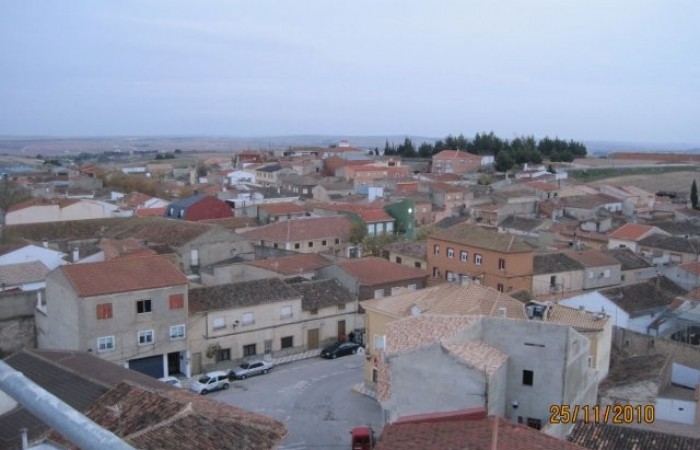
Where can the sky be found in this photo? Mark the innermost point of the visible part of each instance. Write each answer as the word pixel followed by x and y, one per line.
pixel 622 70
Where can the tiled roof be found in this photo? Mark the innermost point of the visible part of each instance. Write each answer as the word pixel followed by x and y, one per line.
pixel 575 318
pixel 179 419
pixel 639 298
pixel 457 154
pixel 61 203
pixel 554 263
pixel 691 267
pixel 187 202
pixel 282 208
pixel 521 223
pixel 368 213
pixel 586 201
pixel 149 212
pixel 685 228
pixel 302 229
pixel 491 433
pixel 476 236
pixel 161 230
pixel 374 215
pixel 631 232
pixel 451 298
pixel 627 258
pixel 292 265
pixel 636 368
pixel 114 248
pixel 21 273
pixel 593 258
pixel 603 436
pixel 671 243
pixel 478 354
pixel 412 332
pixel 231 223
pixel 374 271
pixel 542 186
pixel 77 378
pixel 238 295
pixel 322 293
pixel 414 249
pixel 123 275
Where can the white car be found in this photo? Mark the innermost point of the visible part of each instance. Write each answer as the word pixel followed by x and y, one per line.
pixel 250 368
pixel 172 381
pixel 212 381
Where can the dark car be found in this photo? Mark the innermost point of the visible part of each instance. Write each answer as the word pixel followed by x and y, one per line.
pixel 340 349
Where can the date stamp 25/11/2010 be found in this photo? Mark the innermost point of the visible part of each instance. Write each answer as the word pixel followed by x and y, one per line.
pixel 615 414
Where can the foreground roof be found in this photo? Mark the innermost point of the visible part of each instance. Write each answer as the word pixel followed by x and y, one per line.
pixel 476 236
pixel 461 432
pixel 631 232
pixel 320 294
pixel 123 275
pixel 21 273
pixel 292 265
pixel 554 263
pixel 373 271
pixel 639 298
pixel 628 259
pixel 179 419
pixel 603 436
pixel 302 229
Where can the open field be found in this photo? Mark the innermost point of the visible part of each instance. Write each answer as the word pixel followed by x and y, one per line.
pixel 654 182
pixel 607 173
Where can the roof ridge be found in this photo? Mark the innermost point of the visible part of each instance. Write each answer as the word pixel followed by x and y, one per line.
pixel 186 410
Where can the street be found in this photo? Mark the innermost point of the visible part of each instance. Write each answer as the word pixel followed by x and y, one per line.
pixel 313 398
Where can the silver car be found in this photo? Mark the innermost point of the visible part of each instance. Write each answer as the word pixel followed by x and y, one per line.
pixel 250 368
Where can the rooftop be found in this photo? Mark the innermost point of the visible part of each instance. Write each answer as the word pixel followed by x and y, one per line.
pixel 282 208
pixel 627 258
pixel 302 229
pixel 636 368
pixel 123 275
pixel 593 258
pixel 239 295
pixel 322 293
pixel 631 232
pixel 478 354
pixel 22 273
pixel 450 298
pixel 414 249
pixel 586 201
pixel 521 223
pixel 457 154
pixel 639 298
pixel 671 243
pixel 374 271
pixel 292 265
pixel 603 436
pixel 577 319
pixel 479 237
pixel 412 332
pixel 554 263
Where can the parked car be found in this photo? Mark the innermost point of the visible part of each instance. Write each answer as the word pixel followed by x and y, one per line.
pixel 212 381
pixel 362 438
pixel 340 349
pixel 250 368
pixel 171 381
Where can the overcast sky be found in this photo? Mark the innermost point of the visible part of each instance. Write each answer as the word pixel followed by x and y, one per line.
pixel 626 70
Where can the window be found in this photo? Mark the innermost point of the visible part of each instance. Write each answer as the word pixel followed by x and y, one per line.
pixel 143 306
pixel 297 246
pixel 275 245
pixel 268 346
pixel 396 290
pixel 337 240
pixel 177 301
pixel 528 376
pixel 607 273
pixel 478 259
pixel 375 374
pixel 219 323
pixel 324 243
pixel 104 311
pixel 379 293
pixel 501 264
pixel 622 277
pixel 436 272
pixel 418 265
pixel 534 423
pixel 194 257
pixel 412 287
pixel 286 312
pixel 248 319
pixel 436 249
pixel 398 260
pixel 500 287
pixel 341 306
pixel 590 274
pixel 105 343
pixel 287 342
pixel 249 350
pixel 379 341
pixel 464 256
pixel 145 337
pixel 450 276
pixel 177 332
pixel 553 281
pixel 450 252
pixel 311 244
pixel 223 355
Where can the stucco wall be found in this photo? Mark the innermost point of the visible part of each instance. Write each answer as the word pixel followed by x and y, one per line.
pixel 570 281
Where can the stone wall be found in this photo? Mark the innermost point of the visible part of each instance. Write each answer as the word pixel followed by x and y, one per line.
pixel 16 334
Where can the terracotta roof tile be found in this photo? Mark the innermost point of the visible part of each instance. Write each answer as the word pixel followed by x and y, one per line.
pixel 238 295
pixel 631 232
pixel 479 237
pixel 457 154
pixel 494 433
pixel 322 293
pixel 410 333
pixel 282 208
pixel 602 436
pixel 373 271
pixel 302 229
pixel 592 258
pixel 414 249
pixel 146 212
pixel 123 275
pixel 478 354
pixel 21 273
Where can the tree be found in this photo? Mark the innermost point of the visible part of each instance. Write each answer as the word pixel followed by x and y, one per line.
pixel 425 150
pixel 11 194
pixel 358 231
pixel 694 195
pixel 504 161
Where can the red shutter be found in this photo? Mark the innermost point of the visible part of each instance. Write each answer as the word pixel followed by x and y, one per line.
pixel 104 311
pixel 177 301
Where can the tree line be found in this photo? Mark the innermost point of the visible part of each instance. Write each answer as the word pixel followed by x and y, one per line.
pixel 507 153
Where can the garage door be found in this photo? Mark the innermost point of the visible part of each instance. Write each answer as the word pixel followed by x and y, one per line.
pixel 151 366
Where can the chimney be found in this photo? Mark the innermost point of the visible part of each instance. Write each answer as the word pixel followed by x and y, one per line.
pixel 45 243
pixel 25 439
pixel 76 254
pixel 502 311
pixel 658 281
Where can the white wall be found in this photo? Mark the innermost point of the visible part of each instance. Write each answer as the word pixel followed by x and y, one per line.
pixel 674 410
pixel 685 376
pixel 595 302
pixel 50 258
